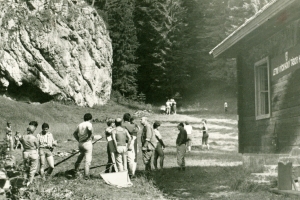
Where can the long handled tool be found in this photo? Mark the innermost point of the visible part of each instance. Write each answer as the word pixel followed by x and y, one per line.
pixel 71 155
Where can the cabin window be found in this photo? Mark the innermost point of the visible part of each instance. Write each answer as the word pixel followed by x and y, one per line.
pixel 262 89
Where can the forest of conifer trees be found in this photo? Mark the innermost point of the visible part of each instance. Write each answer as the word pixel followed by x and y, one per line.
pixel 161 47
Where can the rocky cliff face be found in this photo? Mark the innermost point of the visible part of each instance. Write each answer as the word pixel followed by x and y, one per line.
pixel 59 47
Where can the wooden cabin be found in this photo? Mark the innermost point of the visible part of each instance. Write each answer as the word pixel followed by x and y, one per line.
pixel 267 51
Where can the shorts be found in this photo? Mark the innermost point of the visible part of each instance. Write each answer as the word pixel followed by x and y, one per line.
pixel 45 152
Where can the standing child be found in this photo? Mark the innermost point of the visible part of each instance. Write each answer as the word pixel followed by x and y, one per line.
pixel 30 154
pixel 17 140
pixel 46 143
pixel 9 141
pixel 205 134
pixel 111 149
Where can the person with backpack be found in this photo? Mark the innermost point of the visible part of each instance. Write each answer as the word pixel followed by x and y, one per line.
pixel 120 135
pixel 131 154
pixel 160 146
pixel 148 143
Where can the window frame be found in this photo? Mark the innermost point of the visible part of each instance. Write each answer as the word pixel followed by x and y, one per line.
pixel 257 91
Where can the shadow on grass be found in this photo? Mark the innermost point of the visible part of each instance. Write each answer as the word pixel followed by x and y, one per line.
pixel 199 182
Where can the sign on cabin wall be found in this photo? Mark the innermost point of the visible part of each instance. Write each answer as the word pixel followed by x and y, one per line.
pixel 286 63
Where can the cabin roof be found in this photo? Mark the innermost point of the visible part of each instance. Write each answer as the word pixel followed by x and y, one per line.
pixel 271 18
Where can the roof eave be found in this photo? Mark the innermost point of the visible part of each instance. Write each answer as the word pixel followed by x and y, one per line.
pixel 265 14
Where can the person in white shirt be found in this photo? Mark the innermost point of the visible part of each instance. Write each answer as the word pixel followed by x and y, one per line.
pixel 189 130
pixel 225 106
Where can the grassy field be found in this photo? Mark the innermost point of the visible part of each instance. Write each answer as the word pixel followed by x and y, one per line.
pixel 213 174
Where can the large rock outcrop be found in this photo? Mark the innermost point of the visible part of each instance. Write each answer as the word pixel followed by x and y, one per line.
pixel 60 47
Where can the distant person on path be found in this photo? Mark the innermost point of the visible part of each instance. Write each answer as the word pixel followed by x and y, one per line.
pixel 30 152
pixel 46 144
pixel 160 146
pixel 168 107
pixel 17 140
pixel 181 146
pixel 225 107
pixel 120 135
pixel 84 135
pixel 111 149
pixel 148 143
pixel 173 106
pixel 205 134
pixel 131 154
pixel 188 128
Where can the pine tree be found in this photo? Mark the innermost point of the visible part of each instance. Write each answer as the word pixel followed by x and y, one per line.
pixel 124 42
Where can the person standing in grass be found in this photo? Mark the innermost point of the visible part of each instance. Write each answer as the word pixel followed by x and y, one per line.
pixel 181 146
pixel 160 146
pixel 188 128
pixel 225 106
pixel 131 154
pixel 205 134
pixel 30 152
pixel 46 143
pixel 148 143
pixel 84 135
pixel 120 135
pixel 111 149
pixel 17 140
pixel 9 141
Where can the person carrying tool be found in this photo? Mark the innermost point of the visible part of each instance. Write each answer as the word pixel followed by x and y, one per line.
pixel 84 135
pixel 46 143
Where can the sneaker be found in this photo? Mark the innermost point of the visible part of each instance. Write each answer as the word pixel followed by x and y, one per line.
pixel 87 177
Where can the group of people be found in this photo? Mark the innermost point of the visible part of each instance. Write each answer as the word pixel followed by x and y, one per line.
pixel 36 149
pixel 122 146
pixel 170 107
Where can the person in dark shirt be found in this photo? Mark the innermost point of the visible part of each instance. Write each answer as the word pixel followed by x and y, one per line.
pixel 181 146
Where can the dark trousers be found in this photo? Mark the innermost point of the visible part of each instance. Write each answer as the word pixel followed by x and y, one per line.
pixel 109 161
